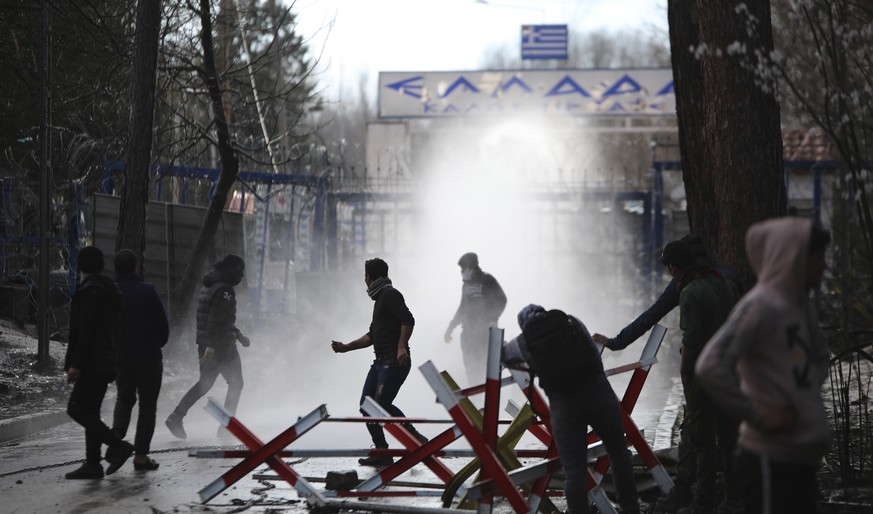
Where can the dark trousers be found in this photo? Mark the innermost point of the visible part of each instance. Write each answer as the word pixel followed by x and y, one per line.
pixel 474 349
pixel 84 407
pixel 144 382
pixel 382 385
pixel 225 362
pixel 706 446
pixel 773 487
pixel 594 404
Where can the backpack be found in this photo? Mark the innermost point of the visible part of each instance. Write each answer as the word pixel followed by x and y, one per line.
pixel 562 355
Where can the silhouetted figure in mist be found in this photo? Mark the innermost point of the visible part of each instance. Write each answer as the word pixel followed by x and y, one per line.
pixel 482 303
pixel 390 330
pixel 146 331
pixel 217 336
pixel 91 363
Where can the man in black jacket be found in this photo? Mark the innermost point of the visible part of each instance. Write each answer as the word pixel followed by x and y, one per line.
pixel 482 303
pixel 559 348
pixel 91 363
pixel 389 335
pixel 146 331
pixel 217 336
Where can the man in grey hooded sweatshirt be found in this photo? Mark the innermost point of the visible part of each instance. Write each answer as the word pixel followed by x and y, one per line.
pixel 766 366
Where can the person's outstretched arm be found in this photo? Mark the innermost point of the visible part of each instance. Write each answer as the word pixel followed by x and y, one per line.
pixel 665 303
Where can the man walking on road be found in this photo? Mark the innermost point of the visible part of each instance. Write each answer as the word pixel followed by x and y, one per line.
pixel 91 363
pixel 217 336
pixel 482 303
pixel 146 331
pixel 389 335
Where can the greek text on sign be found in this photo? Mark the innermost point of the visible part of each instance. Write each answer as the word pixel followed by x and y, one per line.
pixel 607 92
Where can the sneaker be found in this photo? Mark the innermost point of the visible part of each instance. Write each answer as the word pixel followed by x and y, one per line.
pixel 174 423
pixel 678 498
pixel 147 465
pixel 86 471
pixel 117 457
pixel 376 462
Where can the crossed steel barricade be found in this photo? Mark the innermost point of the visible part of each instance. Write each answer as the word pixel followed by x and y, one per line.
pixel 494 455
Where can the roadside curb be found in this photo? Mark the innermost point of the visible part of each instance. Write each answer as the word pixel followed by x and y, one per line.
pixel 21 426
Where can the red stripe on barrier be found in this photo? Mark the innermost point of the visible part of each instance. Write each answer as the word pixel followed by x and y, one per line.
pixel 489 460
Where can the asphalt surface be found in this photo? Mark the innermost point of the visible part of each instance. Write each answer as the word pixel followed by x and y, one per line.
pixel 36 452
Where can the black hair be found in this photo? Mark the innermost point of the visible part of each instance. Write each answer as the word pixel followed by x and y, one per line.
pixel 90 260
pixel 679 254
pixel 376 268
pixel 125 262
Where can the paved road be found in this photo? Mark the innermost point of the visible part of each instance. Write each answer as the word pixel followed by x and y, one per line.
pixel 32 468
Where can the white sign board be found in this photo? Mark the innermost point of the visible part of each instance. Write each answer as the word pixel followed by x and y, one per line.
pixel 607 92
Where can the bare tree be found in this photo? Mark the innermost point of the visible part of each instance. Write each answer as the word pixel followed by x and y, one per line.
pixel 135 190
pixel 729 125
pixel 229 168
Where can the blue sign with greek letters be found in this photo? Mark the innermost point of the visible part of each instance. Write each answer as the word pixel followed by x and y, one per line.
pixel 601 92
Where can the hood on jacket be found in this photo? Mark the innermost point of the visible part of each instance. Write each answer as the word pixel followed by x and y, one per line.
pixel 778 250
pixel 216 275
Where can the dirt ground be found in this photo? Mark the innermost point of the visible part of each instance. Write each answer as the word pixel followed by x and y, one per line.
pixel 26 389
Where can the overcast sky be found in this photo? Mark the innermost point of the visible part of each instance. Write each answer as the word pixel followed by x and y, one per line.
pixel 364 37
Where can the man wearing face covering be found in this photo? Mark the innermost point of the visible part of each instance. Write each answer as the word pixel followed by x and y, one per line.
pixel 217 336
pixel 482 303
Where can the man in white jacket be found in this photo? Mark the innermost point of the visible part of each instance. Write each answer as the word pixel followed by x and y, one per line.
pixel 766 366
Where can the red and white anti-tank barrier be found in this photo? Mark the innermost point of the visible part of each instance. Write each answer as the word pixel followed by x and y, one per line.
pixel 480 429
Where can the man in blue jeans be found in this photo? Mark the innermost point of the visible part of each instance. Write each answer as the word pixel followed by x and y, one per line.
pixel 389 335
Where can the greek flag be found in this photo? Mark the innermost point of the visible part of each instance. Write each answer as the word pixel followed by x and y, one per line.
pixel 544 42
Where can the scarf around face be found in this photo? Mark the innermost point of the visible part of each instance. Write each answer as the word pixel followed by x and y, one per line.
pixel 377 286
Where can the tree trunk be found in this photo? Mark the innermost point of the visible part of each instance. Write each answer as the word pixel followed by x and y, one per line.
pixel 229 170
pixel 135 189
pixel 729 126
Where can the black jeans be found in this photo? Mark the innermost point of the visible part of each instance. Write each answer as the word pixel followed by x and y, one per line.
pixel 594 404
pixel 774 487
pixel 474 349
pixel 144 382
pixel 225 362
pixel 382 384
pixel 84 407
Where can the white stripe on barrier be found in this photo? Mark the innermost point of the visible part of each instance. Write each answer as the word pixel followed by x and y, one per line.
pixel 444 394
pixel 218 412
pixel 212 490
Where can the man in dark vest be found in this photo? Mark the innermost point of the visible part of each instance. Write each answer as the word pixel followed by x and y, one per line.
pixel 217 336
